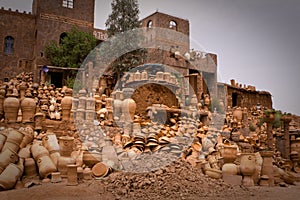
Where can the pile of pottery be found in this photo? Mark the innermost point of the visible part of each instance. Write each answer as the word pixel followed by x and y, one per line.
pixel 160 76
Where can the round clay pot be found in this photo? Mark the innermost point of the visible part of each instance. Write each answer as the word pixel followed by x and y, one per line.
pixel 30 169
pixel 66 145
pixel 237 114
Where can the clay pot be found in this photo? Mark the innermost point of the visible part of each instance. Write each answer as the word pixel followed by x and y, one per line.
pixel 62 164
pixel 247 165
pixel 166 76
pixel 25 152
pixel 159 76
pixel 118 104
pixel 28 107
pixel 43 160
pixel 10 176
pixel 66 145
pixel 11 108
pixel 28 136
pixel 55 177
pixel 90 159
pixel 144 75
pixel 72 175
pixel 229 153
pixel 137 76
pixel 230 168
pixel 267 166
pixel 2 140
pixel 50 142
pixel 87 173
pixel 13 141
pixel 6 157
pixel 237 114
pixel 30 169
pixel 66 104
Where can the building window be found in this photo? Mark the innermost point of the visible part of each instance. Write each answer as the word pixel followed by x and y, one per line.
pixel 9 45
pixel 150 24
pixel 68 3
pixel 173 25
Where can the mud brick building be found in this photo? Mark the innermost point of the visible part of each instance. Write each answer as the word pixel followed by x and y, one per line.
pixel 24 35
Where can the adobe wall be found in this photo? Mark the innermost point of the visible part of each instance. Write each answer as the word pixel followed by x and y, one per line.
pixel 21 27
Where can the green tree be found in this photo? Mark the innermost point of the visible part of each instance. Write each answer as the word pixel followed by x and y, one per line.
pixel 72 50
pixel 124 19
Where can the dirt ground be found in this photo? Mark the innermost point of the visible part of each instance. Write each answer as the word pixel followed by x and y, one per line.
pixel 177 181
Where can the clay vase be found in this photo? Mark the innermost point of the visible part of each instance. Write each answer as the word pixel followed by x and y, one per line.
pixel 137 76
pixel 159 76
pixel 43 160
pixel 229 153
pixel 66 104
pixel 10 176
pixel 2 140
pixel 13 141
pixel 247 168
pixel 237 114
pixel 28 107
pixel 128 105
pixel 11 108
pixel 66 145
pixel 30 169
pixel 166 76
pixel 6 157
pixel 51 143
pixel 28 136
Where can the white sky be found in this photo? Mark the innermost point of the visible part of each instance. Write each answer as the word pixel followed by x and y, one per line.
pixel 257 41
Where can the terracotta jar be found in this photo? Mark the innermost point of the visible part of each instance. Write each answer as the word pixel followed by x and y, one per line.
pixel 72 175
pixel 247 168
pixel 66 104
pixel 137 76
pixel 62 163
pixel 213 173
pixel 66 145
pixel 229 153
pixel 11 108
pixel 13 141
pixel 2 140
pixel 166 76
pixel 237 114
pixel 30 169
pixel 43 160
pixel 51 143
pixel 55 177
pixel 128 105
pixel 28 107
pixel 28 136
pixel 6 157
pixel 25 152
pixel 10 176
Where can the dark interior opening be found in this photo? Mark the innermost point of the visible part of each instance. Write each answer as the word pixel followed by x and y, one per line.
pixel 234 99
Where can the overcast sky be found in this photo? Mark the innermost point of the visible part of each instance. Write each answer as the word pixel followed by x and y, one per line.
pixel 257 41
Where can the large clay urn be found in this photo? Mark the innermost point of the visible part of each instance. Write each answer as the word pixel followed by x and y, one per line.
pixel 10 176
pixel 247 168
pixel 28 107
pixel 128 105
pixel 13 141
pixel 66 104
pixel 11 107
pixel 237 114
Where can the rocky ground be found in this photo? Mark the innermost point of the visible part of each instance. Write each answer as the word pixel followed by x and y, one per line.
pixel 177 181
